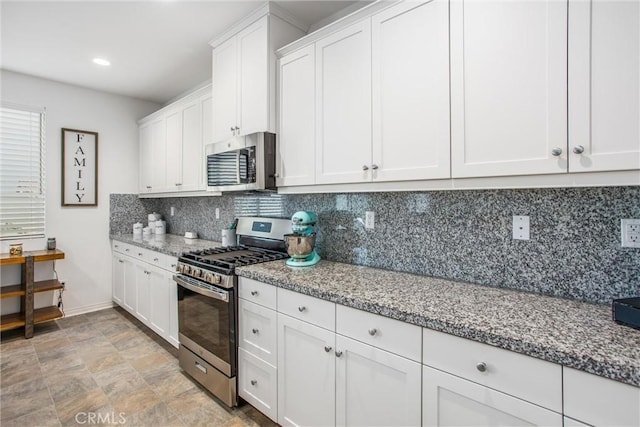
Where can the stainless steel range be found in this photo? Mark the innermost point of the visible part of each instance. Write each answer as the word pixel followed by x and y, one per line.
pixel 207 302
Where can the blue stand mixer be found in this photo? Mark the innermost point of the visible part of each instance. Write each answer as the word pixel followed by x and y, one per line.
pixel 300 244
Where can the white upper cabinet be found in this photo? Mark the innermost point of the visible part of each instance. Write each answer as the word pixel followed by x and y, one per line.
pixel 343 105
pixel 244 77
pixel 410 57
pixel 508 87
pixel 604 87
pixel 296 132
pixel 224 107
pixel 172 145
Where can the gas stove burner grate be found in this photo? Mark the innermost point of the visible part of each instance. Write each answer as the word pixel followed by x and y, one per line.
pixel 226 259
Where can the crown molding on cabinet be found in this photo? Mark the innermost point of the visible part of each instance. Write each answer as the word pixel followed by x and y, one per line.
pixel 267 9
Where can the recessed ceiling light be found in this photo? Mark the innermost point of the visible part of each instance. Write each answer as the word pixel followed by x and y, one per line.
pixel 101 61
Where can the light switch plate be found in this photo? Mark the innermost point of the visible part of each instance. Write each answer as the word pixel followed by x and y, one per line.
pixel 520 227
pixel 630 233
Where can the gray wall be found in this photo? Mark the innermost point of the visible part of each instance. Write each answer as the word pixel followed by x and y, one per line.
pixel 574 250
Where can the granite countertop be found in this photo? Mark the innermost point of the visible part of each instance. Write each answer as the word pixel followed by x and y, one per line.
pixel 169 244
pixel 572 333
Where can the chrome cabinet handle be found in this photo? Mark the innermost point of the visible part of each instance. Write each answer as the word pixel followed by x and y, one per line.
pixel 374 167
pixel 338 353
pixel 373 331
pixel 302 308
pixel 327 348
pixel 578 149
pixel 556 152
pixel 254 382
pixel 365 167
pixel 254 293
pixel 482 367
pixel 254 330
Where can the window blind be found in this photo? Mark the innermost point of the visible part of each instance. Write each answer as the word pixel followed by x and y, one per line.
pixel 259 205
pixel 21 173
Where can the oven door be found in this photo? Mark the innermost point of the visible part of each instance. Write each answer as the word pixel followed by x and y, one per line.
pixel 206 323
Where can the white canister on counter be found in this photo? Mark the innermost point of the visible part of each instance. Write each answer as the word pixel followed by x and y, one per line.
pixel 146 232
pixel 137 228
pixel 153 218
pixel 160 227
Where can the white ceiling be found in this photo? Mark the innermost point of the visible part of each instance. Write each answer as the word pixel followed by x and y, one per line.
pixel 158 48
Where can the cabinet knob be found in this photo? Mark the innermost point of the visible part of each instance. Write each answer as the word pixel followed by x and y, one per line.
pixel 254 330
pixel 373 331
pixel 155 260
pixel 148 187
pixel 374 167
pixel 482 367
pixel 121 261
pixel 254 382
pixel 556 152
pixel 238 129
pixel 178 184
pixel 578 149
pixel 254 293
pixel 126 250
pixel 327 348
pixel 302 308
pixel 173 266
pixel 365 167
pixel 231 128
pixel 338 353
pixel 139 253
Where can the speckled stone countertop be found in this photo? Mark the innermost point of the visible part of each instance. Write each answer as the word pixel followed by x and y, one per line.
pixel 572 333
pixel 169 244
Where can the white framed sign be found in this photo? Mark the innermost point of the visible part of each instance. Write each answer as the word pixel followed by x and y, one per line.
pixel 79 168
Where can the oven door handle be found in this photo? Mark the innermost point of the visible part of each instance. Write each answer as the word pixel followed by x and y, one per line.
pixel 219 295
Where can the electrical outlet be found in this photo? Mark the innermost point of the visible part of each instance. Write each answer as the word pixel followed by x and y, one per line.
pixel 217 213
pixel 172 210
pixel 369 220
pixel 520 227
pixel 630 233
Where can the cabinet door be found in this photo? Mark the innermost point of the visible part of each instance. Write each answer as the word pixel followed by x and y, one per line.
pixel 375 387
pixel 174 150
pixel 130 295
pixel 159 301
pixel 224 81
pixel 206 114
pixel 452 401
pixel 604 88
pixel 192 154
pixel 343 106
pixel 257 383
pixel 296 135
pixel 146 167
pixel 142 292
pixel 253 63
pixel 306 374
pixel 173 311
pixel 158 156
pixel 508 87
pixel 117 279
pixel 410 55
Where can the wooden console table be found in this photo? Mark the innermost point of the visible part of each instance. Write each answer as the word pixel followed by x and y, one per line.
pixel 28 316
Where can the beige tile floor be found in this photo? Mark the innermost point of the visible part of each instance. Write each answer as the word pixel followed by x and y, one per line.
pixel 103 368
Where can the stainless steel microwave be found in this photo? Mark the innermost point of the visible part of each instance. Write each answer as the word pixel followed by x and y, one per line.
pixel 243 163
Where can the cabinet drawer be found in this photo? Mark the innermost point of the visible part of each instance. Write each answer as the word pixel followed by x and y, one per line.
pixel 310 309
pixel 257 292
pixel 531 379
pixel 156 258
pixel 258 330
pixel 140 253
pixel 388 334
pixel 123 248
pixel 171 263
pixel 257 383
pixel 600 401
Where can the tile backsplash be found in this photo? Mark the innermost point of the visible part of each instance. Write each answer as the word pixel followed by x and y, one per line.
pixel 574 248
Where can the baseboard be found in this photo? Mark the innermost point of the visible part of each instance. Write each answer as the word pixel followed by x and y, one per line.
pixel 88 308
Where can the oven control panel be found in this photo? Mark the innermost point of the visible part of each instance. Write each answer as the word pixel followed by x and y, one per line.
pixel 204 275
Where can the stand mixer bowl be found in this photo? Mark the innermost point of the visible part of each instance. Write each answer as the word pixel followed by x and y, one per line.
pixel 299 246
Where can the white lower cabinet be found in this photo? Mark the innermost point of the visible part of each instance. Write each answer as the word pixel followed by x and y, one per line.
pixel 143 285
pixel 449 400
pixel 599 401
pixel 375 387
pixel 257 383
pixel 306 374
